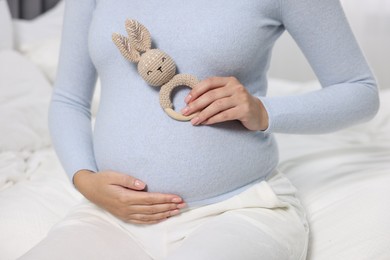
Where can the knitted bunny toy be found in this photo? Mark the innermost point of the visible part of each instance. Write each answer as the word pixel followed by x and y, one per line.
pixel 154 65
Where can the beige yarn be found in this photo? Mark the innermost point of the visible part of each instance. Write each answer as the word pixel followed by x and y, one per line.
pixel 166 91
pixel 160 67
pixel 124 46
pixel 155 66
pixel 139 35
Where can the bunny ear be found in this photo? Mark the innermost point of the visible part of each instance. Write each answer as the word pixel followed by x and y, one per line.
pixel 139 36
pixel 124 46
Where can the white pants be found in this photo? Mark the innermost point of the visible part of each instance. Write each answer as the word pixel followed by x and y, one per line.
pixel 264 222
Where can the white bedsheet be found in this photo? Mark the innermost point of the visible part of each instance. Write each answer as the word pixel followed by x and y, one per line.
pixel 31 204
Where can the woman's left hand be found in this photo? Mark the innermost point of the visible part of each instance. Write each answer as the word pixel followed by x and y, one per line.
pixel 219 99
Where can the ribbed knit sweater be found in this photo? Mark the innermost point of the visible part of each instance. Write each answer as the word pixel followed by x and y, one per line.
pixel 203 164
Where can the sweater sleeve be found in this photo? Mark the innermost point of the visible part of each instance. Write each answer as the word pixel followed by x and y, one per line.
pixel 349 93
pixel 69 113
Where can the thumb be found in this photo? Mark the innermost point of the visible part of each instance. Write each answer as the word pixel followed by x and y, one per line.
pixel 128 181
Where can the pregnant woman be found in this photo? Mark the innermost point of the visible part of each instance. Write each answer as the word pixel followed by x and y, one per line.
pixel 208 188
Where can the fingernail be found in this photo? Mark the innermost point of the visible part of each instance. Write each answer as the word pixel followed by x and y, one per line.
pixel 174 212
pixel 195 120
pixel 138 183
pixel 176 200
pixel 181 205
pixel 188 98
pixel 185 110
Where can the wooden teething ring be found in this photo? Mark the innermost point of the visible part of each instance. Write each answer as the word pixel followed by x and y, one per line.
pixel 166 90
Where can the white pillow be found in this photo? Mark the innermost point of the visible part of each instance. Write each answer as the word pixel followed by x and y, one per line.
pixel 45 55
pixel 24 101
pixel 6 31
pixel 39 39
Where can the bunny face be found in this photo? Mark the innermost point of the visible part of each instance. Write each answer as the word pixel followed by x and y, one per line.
pixel 156 67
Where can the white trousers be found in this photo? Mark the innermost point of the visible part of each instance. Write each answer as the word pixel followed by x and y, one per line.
pixel 266 221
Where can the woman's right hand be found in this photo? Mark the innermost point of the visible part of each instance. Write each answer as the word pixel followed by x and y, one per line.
pixel 124 197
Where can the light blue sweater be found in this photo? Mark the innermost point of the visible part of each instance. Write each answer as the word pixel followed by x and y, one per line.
pixel 203 164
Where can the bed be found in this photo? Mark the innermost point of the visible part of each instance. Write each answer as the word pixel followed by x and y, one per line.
pixel 343 178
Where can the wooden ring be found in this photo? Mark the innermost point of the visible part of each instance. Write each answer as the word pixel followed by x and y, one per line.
pixel 166 90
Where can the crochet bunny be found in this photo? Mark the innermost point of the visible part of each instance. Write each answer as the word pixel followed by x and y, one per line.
pixel 154 65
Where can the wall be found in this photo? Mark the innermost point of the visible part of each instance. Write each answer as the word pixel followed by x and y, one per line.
pixel 370 21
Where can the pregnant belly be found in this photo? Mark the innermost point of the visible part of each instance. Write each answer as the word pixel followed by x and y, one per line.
pixel 197 163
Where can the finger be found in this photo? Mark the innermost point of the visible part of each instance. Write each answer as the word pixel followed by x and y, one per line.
pixel 153 217
pixel 155 209
pixel 213 109
pixel 227 115
pixel 204 86
pixel 148 198
pixel 206 99
pixel 126 181
pixel 143 222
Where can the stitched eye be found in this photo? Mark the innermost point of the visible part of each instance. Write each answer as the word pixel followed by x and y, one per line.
pixel 148 73
pixel 163 59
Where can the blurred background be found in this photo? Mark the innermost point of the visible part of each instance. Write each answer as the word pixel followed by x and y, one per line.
pixel 370 21
pixel 29 9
